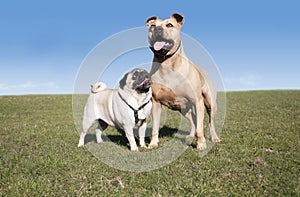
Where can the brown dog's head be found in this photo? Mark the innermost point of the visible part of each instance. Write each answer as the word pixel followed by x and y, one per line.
pixel 164 35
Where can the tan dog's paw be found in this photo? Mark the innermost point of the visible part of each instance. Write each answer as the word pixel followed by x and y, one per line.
pixel 201 145
pixel 154 142
pixel 216 140
pixel 152 145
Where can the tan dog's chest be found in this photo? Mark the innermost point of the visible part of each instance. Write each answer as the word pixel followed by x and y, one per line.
pixel 176 84
pixel 170 88
pixel 167 97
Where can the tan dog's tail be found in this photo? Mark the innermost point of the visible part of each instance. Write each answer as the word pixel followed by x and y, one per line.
pixel 98 87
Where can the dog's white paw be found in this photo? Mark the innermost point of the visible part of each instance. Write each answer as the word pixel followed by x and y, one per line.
pixel 99 140
pixel 80 144
pixel 98 136
pixel 81 139
pixel 201 145
pixel 134 149
pixel 144 146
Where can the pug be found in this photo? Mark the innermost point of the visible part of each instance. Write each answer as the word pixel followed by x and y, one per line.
pixel 126 107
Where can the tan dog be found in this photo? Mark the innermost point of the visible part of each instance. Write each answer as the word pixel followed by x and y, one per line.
pixel 178 83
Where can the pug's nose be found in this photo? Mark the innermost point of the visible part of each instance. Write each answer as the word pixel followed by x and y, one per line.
pixel 158 30
pixel 145 75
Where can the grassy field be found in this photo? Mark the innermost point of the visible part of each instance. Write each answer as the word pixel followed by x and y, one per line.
pixel 259 154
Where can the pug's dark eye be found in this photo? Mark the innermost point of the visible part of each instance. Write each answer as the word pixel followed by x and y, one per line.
pixel 153 25
pixel 169 25
pixel 134 76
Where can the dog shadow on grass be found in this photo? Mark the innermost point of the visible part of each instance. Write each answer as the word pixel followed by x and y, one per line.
pixel 118 139
pixel 164 132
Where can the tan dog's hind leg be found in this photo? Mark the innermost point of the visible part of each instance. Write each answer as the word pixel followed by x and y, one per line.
pixel 211 108
pixel 156 114
pixel 201 143
pixel 213 134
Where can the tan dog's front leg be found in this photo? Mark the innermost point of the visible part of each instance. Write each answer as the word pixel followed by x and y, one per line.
pixel 189 116
pixel 201 143
pixel 156 114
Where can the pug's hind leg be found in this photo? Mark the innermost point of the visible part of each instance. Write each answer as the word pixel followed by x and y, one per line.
pixel 86 124
pixel 81 139
pixel 101 127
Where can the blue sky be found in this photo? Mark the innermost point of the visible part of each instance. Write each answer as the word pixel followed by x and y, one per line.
pixel 255 44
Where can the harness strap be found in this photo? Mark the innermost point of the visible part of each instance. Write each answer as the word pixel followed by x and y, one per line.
pixel 135 111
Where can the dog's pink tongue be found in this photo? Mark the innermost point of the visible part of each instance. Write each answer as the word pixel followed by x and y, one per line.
pixel 159 45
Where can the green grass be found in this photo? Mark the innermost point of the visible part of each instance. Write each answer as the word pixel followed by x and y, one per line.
pixel 259 153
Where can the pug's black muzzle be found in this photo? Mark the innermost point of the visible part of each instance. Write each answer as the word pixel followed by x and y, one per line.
pixel 143 82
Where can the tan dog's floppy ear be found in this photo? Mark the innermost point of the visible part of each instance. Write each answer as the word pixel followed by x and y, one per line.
pixel 150 21
pixel 178 17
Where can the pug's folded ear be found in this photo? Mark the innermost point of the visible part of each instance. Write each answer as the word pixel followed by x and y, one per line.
pixel 151 21
pixel 122 82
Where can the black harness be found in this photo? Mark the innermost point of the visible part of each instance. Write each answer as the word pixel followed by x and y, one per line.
pixel 135 111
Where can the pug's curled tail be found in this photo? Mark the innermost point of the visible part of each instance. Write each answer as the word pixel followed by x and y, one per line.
pixel 98 87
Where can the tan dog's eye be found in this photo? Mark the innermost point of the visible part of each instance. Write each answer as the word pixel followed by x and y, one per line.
pixel 169 25
pixel 153 25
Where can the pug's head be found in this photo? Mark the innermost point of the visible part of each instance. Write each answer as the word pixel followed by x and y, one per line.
pixel 137 80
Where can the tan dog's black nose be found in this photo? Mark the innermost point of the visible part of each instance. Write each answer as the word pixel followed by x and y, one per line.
pixel 158 30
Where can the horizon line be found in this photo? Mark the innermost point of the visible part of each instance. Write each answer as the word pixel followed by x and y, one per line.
pixel 69 93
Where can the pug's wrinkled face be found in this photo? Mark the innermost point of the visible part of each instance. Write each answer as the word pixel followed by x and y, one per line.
pixel 137 80
pixel 164 35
